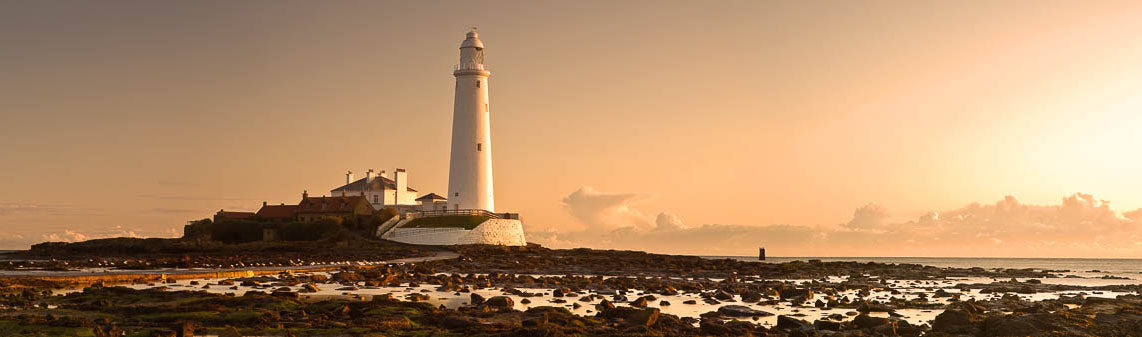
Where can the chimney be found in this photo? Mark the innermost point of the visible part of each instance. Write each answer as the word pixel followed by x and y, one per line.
pixel 348 177
pixel 381 174
pixel 263 204
pixel 401 178
pixel 368 175
pixel 304 194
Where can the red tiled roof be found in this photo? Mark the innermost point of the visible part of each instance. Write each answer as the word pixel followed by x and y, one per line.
pixel 330 204
pixel 376 184
pixel 277 211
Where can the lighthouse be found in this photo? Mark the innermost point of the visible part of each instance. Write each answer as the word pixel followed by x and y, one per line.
pixel 470 167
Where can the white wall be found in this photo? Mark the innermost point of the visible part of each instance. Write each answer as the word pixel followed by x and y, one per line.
pixel 493 232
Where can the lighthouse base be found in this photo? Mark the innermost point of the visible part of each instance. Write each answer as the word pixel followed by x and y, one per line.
pixel 506 232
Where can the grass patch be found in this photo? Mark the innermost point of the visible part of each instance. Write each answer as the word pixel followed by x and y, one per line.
pixel 448 221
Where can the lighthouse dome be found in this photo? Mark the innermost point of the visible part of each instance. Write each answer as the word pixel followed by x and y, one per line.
pixel 472 41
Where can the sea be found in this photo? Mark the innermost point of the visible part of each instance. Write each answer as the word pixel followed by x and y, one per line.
pixel 1067 265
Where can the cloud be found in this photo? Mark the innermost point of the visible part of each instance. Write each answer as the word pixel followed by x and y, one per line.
pixel 66 236
pixel 1134 215
pixel 1078 226
pixel 668 222
pixel 25 208
pixel 871 216
pixel 114 232
pixel 606 211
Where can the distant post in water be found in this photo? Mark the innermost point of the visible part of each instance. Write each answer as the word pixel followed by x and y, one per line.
pixel 761 254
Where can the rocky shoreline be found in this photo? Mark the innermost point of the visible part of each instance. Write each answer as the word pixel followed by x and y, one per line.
pixel 533 290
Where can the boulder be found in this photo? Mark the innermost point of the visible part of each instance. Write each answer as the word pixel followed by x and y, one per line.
pixel 788 293
pixel 476 299
pixel 958 318
pixel 751 297
pixel 645 317
pixel 828 325
pixel 604 305
pixel 724 296
pixel 741 311
pixel 864 321
pixel 711 327
pixel 500 303
pixel 792 324
pixel 641 302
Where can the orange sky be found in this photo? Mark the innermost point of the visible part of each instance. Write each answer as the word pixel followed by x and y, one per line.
pixel 135 116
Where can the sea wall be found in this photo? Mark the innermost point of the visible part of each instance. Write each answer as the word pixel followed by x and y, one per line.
pixel 508 232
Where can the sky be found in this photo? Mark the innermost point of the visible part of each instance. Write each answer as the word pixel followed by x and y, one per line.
pixel 814 128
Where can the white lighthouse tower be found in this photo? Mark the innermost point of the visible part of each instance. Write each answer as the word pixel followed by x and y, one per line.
pixel 470 170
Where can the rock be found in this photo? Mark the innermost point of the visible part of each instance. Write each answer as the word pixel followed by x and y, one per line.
pixel 941 293
pixel 711 327
pixel 789 293
pixel 416 297
pixel 525 301
pixel 724 296
pixel 751 297
pixel 689 302
pixel 742 311
pixel 477 299
pixel 792 324
pixel 286 294
pixel 309 288
pixel 641 302
pixel 664 303
pixel 604 305
pixel 866 307
pixel 958 318
pixel 1022 325
pixel 499 303
pixel 645 317
pixel 864 321
pixel 828 325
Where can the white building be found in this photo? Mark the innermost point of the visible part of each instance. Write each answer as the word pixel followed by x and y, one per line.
pixel 470 168
pixel 380 190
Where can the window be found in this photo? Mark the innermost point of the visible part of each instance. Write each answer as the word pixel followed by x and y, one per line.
pixel 485 107
pixel 376 198
pixel 477 83
pixel 457 194
pixel 479 147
